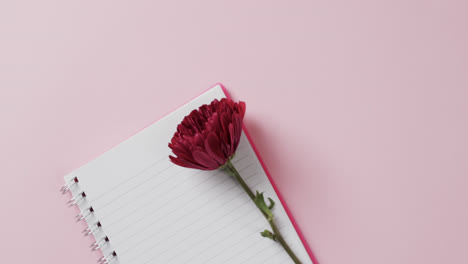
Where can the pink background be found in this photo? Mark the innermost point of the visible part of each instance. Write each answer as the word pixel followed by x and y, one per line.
pixel 359 109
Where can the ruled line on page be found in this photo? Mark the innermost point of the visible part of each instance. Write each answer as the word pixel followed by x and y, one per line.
pixel 126 180
pixel 135 176
pixel 123 184
pixel 190 249
pixel 182 178
pixel 224 234
pixel 265 250
pixel 196 253
pixel 252 244
pixel 267 259
pixel 176 209
pixel 257 247
pixel 121 206
pixel 105 214
pixel 248 201
pixel 138 232
pixel 144 249
pixel 123 194
pixel 182 208
pixel 151 201
pixel 248 242
pixel 159 254
pixel 206 225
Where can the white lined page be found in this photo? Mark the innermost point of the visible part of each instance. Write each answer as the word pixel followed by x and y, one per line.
pixel 156 212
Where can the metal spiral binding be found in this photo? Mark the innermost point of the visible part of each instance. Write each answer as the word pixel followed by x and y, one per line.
pixel 90 230
pixel 68 185
pixel 106 259
pixel 98 244
pixel 83 215
pixel 74 200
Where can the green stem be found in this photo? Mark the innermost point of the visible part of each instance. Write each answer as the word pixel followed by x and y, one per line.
pixel 231 170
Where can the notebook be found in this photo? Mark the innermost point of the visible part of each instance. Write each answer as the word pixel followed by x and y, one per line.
pixel 143 209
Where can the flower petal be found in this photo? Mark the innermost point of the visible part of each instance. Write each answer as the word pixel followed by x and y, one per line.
pixel 213 148
pixel 205 160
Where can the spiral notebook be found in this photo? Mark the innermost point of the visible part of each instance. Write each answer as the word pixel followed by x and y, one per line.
pixel 143 209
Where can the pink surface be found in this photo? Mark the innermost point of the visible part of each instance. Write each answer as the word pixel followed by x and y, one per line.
pixel 359 109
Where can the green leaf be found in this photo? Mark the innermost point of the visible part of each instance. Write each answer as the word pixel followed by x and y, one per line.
pixel 260 202
pixel 272 203
pixel 268 234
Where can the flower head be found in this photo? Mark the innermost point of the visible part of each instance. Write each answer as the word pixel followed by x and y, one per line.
pixel 208 137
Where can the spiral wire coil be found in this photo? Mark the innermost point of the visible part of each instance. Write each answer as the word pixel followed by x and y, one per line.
pixel 83 215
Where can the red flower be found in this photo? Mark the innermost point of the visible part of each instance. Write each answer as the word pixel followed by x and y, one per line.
pixel 208 137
